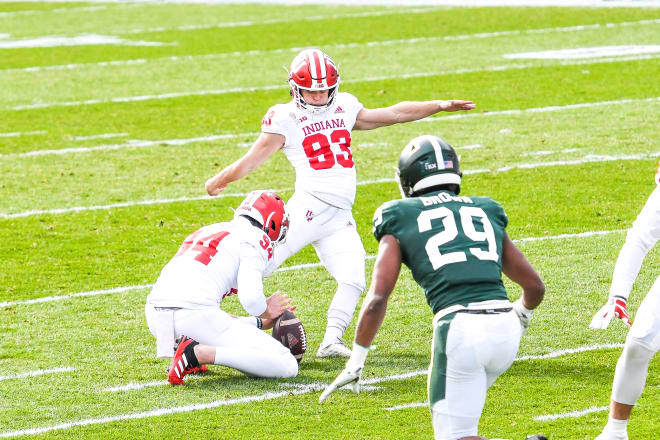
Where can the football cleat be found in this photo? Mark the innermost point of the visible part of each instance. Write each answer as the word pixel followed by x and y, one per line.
pixel 334 349
pixel 184 361
pixel 605 435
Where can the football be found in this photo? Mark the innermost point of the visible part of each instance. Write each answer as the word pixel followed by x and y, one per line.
pixel 290 332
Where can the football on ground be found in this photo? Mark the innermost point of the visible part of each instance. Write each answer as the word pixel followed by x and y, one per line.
pixel 290 332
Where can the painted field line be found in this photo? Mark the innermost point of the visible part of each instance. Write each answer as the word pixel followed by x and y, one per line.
pixel 586 159
pixel 571 414
pixel 214 92
pixel 281 269
pixel 52 11
pixel 22 133
pixel 551 355
pixel 211 138
pixel 99 136
pixel 303 389
pixel 406 406
pixel 553 108
pixel 132 143
pixel 402 41
pixel 37 373
pixel 245 23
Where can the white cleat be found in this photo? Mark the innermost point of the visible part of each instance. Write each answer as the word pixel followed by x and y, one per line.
pixel 611 436
pixel 335 349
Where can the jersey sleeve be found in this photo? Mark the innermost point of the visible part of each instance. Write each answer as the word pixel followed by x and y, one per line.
pixel 385 221
pixel 643 235
pixel 252 265
pixel 274 121
pixel 353 106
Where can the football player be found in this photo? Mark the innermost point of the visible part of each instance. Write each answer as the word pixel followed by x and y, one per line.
pixel 643 339
pixel 214 262
pixel 314 132
pixel 456 248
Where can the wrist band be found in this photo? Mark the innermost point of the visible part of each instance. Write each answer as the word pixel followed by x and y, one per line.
pixel 260 323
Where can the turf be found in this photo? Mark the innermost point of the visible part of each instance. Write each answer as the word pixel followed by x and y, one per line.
pixel 564 170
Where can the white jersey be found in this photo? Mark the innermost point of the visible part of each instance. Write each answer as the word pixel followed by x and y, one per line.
pixel 214 262
pixel 643 235
pixel 319 147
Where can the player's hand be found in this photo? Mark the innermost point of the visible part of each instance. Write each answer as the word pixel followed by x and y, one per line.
pixel 346 377
pixel 615 307
pixel 454 105
pixel 213 188
pixel 524 314
pixel 276 304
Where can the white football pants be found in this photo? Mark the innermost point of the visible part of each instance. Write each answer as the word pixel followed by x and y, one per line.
pixel 642 343
pixel 333 234
pixel 238 344
pixel 469 353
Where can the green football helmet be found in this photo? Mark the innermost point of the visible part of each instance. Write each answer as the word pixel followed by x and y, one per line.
pixel 426 162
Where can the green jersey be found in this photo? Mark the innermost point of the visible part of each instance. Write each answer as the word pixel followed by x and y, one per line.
pixel 452 245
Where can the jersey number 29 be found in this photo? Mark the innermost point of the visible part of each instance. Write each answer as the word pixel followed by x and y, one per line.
pixel 467 216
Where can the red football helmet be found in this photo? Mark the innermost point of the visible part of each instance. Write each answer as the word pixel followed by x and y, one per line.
pixel 267 209
pixel 313 70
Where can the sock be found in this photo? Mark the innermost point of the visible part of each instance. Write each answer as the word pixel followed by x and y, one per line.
pixel 616 426
pixel 189 353
pixel 341 312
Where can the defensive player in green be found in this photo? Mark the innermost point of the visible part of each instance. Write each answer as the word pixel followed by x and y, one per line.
pixel 456 248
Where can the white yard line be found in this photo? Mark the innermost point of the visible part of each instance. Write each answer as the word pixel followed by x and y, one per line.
pixel 299 389
pixel 540 109
pixel 302 389
pixel 453 3
pixel 282 269
pixel 22 133
pixel 403 41
pixel 133 143
pixel 184 141
pixel 99 136
pixel 524 166
pixel 551 355
pixel 245 23
pixel 37 373
pixel 52 11
pixel 215 92
pixel 571 414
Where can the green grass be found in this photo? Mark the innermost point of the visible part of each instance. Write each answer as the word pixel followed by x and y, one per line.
pixel 105 337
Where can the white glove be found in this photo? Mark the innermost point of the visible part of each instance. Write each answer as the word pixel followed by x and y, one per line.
pixel 524 314
pixel 346 377
pixel 615 307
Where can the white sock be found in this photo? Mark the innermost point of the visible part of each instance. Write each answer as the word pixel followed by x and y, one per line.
pixel 616 425
pixel 341 312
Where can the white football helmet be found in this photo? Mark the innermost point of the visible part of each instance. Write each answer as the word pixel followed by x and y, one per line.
pixel 313 70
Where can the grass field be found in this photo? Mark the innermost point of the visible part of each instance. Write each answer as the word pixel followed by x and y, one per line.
pixel 105 148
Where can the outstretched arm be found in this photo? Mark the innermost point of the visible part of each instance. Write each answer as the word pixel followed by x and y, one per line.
pixel 265 145
pixel 368 119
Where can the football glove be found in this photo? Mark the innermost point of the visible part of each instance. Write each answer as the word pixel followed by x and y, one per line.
pixel 615 307
pixel 346 377
pixel 524 314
